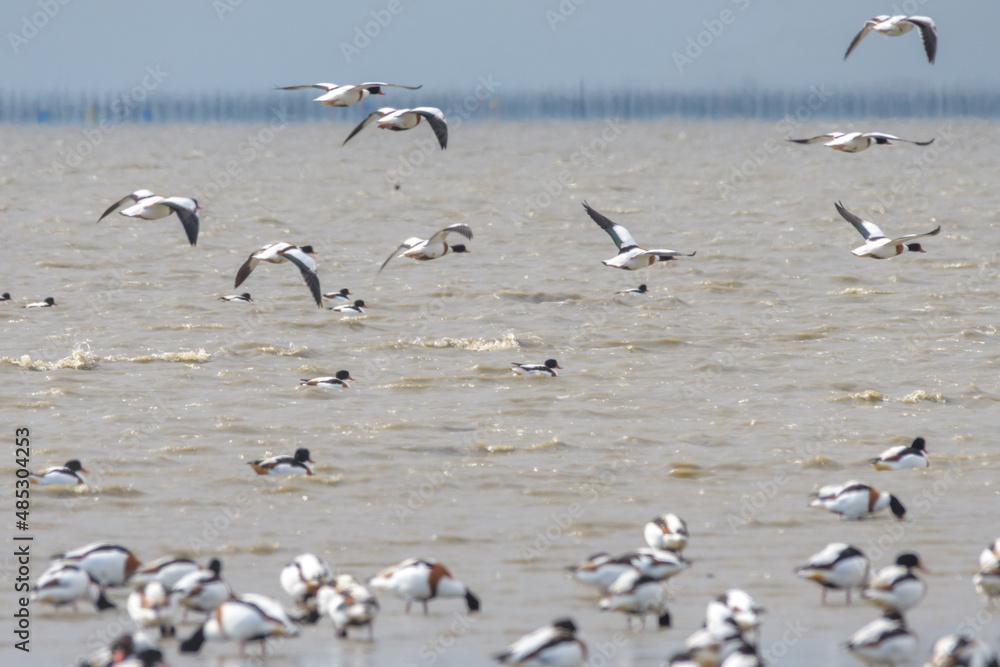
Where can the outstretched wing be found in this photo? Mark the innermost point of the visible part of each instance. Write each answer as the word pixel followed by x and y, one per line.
pixel 869 230
pixel 187 211
pixel 821 139
pixel 869 24
pixel 889 137
pixel 321 86
pixel 436 120
pixel 401 246
pixel 367 121
pixel 246 269
pixel 916 236
pixel 121 202
pixel 618 234
pixel 928 33
pixel 308 269
pixel 663 254
pixel 389 85
pixel 459 228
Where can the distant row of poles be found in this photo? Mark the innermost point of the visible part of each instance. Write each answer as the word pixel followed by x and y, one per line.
pixel 144 106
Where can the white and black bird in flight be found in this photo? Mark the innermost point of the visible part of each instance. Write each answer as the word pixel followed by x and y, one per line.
pixel 277 253
pixel 894 26
pixel 406 119
pixel 432 248
pixel 349 95
pixel 877 244
pixel 855 142
pixel 149 206
pixel 630 256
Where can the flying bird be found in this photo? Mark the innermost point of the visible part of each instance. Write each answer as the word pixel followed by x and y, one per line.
pixel 432 248
pixel 630 256
pixel 149 206
pixel 894 26
pixel 349 95
pixel 277 253
pixel 855 142
pixel 406 119
pixel 877 245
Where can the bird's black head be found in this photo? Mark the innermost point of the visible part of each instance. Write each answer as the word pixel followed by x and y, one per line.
pixel 344 375
pixel 919 444
pixel 5 296
pixel 472 601
pixel 908 559
pixel 360 303
pixel 302 455
pixel 374 90
pixel 246 295
pixel 897 507
pixel 49 300
pixel 882 141
pixel 344 292
pixel 307 249
pixel 74 465
pixel 643 289
pixel 552 363
pixel 459 248
pixel 215 566
pixel 914 247
pixel 565 624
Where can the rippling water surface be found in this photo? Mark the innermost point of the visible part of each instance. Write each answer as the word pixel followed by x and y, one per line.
pixel 767 365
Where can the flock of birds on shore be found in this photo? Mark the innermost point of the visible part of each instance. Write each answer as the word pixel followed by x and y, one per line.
pixel 169 589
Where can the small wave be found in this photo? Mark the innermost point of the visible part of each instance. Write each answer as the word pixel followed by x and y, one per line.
pixel 506 342
pixel 921 395
pixel 868 396
pixel 858 291
pixel 291 350
pixel 80 359
pixel 186 327
pixel 188 356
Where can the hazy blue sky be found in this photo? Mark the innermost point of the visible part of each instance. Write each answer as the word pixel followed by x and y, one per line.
pixel 197 45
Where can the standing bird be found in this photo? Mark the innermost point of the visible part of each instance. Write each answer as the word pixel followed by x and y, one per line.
pixel 855 142
pixel 637 594
pixel 432 248
pixel 877 245
pixel 902 457
pixel 897 588
pixel 202 590
pixel 417 580
pixel 302 578
pixel 149 606
pixel 64 583
pixel 349 95
pixel 667 531
pixel 894 26
pixel 108 564
pixel 348 604
pixel 839 567
pixel 959 650
pixel 884 641
pixel 406 119
pixel 630 256
pixel 278 253
pixel 855 500
pixel 246 618
pixel 554 645
pixel 149 206
pixel 66 475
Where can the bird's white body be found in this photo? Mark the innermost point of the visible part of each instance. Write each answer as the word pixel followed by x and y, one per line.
pixel 637 595
pixel 65 583
pixel 884 641
pixel 838 566
pixel 554 645
pixel 417 580
pixel 108 564
pixel 667 531
pixel 855 500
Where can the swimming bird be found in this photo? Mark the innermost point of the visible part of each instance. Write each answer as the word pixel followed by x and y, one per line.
pixel 418 580
pixel 838 567
pixel 630 256
pixel 641 290
pixel 348 604
pixel 237 298
pixel 149 206
pixel 245 619
pixel 554 645
pixel 356 308
pixel 340 380
pixel 432 248
pixel 548 368
pixel 894 26
pixel 855 500
pixel 406 119
pixel 877 245
pixel 962 650
pixel 64 475
pixel 902 457
pixel 5 296
pixel 202 590
pixel 167 570
pixel 301 578
pixel 108 564
pixel 65 583
pixel 338 297
pixel 277 253
pixel 349 95
pixel 667 531
pixel 48 303
pixel 884 641
pixel 637 594
pixel 897 588
pixel 855 142
pixel 149 606
pixel 298 464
